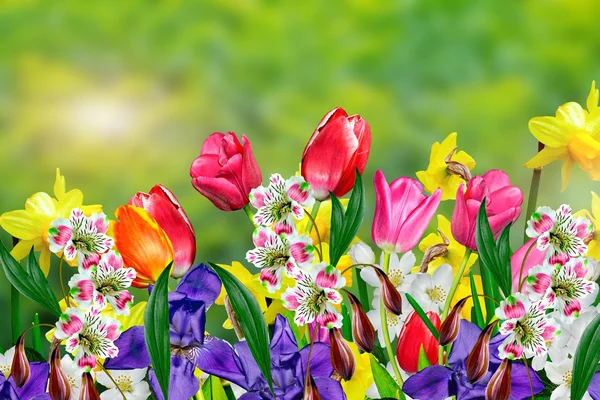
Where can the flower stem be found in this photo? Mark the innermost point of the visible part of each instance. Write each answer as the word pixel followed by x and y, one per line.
pixel 313 214
pixel 455 282
pixel 313 222
pixel 112 380
pixel 36 339
pixel 521 281
pixel 310 349
pixel 15 307
pixel 385 330
pixel 529 377
pixel 533 192
pixel 62 286
pixel 250 214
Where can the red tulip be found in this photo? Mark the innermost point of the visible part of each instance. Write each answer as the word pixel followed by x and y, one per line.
pixel 162 204
pixel 339 145
pixel 226 172
pixel 415 334
pixel 503 206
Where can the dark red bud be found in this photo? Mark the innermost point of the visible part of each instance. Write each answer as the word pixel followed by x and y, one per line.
pixel 451 325
pixel 59 386
pixel 20 365
pixel 498 388
pixel 341 356
pixel 88 390
pixel 478 360
pixel 363 331
pixel 310 389
pixel 392 300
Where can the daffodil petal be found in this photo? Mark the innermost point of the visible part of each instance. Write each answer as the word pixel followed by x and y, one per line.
pixel 549 130
pixel 45 260
pixel 22 224
pixel 546 156
pixel 42 204
pixel 69 201
pixel 59 185
pixel 566 172
pixel 571 114
pixel 592 99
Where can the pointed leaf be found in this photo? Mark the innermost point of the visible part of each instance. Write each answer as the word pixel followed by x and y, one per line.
pixel 386 385
pixel 423 361
pixel 423 316
pixel 156 330
pixel 476 311
pixel 586 359
pixel 251 320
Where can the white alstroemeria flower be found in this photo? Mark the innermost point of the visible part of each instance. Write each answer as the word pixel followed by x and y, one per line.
pixel 561 373
pixel 574 331
pixel 372 391
pixel 6 361
pixel 557 350
pixel 398 273
pixel 430 291
pixel 131 382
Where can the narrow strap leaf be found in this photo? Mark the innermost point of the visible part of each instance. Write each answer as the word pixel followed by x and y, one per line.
pixel 423 316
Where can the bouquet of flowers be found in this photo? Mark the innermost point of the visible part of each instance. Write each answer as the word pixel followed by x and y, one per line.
pixel 318 312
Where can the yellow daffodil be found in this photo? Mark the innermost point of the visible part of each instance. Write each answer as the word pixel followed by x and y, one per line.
pixel 456 251
pixel 356 387
pixel 594 216
pixel 31 225
pixel 437 174
pixel 572 136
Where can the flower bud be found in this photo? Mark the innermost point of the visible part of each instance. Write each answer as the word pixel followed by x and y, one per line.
pixel 498 388
pixel 59 386
pixel 392 300
pixel 363 331
pixel 310 389
pixel 433 252
pixel 451 325
pixel 20 365
pixel 478 360
pixel 88 390
pixel 457 168
pixel 361 253
pixel 342 358
pixel 414 336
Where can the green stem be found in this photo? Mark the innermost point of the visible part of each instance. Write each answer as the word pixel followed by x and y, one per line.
pixel 112 380
pixel 250 214
pixel 521 281
pixel 533 192
pixel 385 330
pixel 320 248
pixel 36 335
pixel 455 282
pixel 313 213
pixel 15 316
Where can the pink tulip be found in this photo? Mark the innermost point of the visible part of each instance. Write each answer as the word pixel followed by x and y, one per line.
pixel 162 204
pixel 535 257
pixel 226 172
pixel 402 213
pixel 339 145
pixel 503 206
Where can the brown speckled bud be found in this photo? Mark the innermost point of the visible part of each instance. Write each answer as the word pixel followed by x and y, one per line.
pixel 363 331
pixel 342 358
pixel 478 360
pixel 19 369
pixel 498 388
pixel 392 300
pixel 451 325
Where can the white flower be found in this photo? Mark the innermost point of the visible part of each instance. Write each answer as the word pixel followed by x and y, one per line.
pixel 398 273
pixel 361 253
pixel 430 291
pixel 131 382
pixel 561 373
pixel 6 361
pixel 73 374
pixel 394 322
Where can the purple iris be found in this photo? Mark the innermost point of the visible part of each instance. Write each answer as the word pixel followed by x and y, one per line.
pixel 439 382
pixel 34 389
pixel 288 366
pixel 196 292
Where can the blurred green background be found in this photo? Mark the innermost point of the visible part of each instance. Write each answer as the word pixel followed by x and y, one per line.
pixel 121 95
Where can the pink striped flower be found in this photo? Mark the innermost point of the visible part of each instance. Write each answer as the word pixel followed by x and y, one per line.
pixel 527 326
pixel 88 336
pixel 106 282
pixel 281 202
pixel 277 253
pixel 314 295
pixel 79 235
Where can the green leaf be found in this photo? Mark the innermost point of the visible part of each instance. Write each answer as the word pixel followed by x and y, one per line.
pixel 423 316
pixel 251 320
pixel 476 312
pixel 586 359
pixel 346 324
pixel 300 339
pixel 229 392
pixel 34 355
pixel 495 258
pixel 156 330
pixel 363 293
pixel 36 334
pixel 31 283
pixel 213 390
pixel 345 225
pixel 386 385
pixel 423 361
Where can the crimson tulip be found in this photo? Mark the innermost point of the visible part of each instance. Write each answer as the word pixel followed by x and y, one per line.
pixel 413 335
pixel 338 146
pixel 503 206
pixel 162 204
pixel 226 171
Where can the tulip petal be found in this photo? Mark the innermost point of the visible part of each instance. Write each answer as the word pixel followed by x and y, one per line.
pixel 504 198
pixel 251 175
pixel 413 227
pixel 359 158
pixel 382 221
pixel 222 193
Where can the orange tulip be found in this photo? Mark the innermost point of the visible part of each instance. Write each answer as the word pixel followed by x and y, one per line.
pixel 142 243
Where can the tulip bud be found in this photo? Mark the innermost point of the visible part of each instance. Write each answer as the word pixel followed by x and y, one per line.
pixel 20 365
pixel 342 358
pixel 451 325
pixel 498 388
pixel 392 300
pixel 310 389
pixel 59 386
pixel 363 331
pixel 88 390
pixel 361 253
pixel 435 251
pixel 478 360
pixel 414 336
